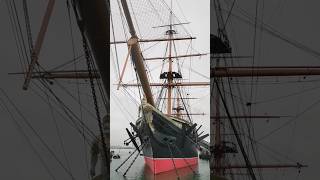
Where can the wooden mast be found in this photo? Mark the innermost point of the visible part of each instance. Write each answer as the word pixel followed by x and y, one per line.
pixel 156 40
pixel 137 56
pixel 216 144
pixel 38 45
pixel 170 75
pixel 215 72
pixel 217 138
pixel 264 71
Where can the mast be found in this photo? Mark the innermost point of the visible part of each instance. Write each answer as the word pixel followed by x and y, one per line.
pixel 217 148
pixel 217 138
pixel 38 45
pixel 137 55
pixel 170 76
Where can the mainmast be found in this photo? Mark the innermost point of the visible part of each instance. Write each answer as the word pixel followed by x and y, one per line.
pixel 170 76
pixel 136 55
pixel 216 125
pixel 218 155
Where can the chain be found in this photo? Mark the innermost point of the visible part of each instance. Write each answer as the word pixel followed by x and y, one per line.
pixel 93 91
pixel 135 158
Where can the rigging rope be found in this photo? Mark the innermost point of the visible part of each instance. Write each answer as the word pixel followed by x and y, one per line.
pixel 52 153
pixel 89 133
pixel 115 45
pixel 58 133
pixel 249 167
pixel 86 161
pixel 272 31
pixel 20 129
pixel 285 124
pixel 71 115
pixel 174 164
pixel 184 159
pixel 28 26
pixel 19 38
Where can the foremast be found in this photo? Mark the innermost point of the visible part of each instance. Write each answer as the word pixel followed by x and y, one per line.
pixel 170 75
pixel 137 59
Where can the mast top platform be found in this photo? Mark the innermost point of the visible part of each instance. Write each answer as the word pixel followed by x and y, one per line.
pixel 170 25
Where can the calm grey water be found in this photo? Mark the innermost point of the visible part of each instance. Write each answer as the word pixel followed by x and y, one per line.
pixel 140 172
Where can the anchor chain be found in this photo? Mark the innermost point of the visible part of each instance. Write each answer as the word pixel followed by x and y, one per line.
pixel 94 96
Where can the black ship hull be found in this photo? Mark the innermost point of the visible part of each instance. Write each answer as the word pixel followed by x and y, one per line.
pixel 168 143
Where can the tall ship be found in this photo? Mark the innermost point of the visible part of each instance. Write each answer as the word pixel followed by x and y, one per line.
pixel 165 132
pixel 263 88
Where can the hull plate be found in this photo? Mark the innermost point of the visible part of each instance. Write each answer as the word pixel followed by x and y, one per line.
pixel 159 165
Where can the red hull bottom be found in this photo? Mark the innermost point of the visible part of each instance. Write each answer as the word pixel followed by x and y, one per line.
pixel 159 165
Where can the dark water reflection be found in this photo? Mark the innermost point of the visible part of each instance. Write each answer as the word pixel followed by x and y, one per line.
pixel 141 172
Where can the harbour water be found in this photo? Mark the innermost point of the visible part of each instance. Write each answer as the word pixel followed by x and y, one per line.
pixel 139 171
